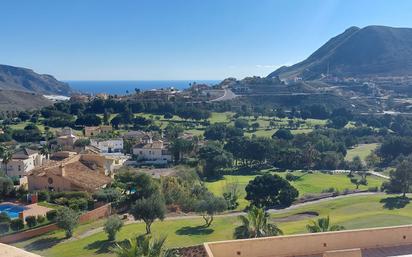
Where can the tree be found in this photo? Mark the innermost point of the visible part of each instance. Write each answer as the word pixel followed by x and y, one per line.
pixel 67 219
pixel 209 206
pixel 149 209
pixel 112 226
pixel 179 147
pixel 401 178
pixel 255 126
pixel 322 225
pixel 241 123
pixel 214 159
pixel 231 195
pixel 135 185
pixel 173 131
pixel 284 134
pixel 143 246
pixel 270 191
pixel 372 160
pixel 255 224
pixel 45 150
pixel 7 155
pixel 88 120
pixel 6 186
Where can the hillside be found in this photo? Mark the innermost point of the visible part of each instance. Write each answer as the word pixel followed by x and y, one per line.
pixel 11 100
pixel 22 79
pixel 367 52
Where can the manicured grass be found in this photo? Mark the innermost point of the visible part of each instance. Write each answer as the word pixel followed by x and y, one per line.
pixel 361 150
pixel 313 183
pixel 351 212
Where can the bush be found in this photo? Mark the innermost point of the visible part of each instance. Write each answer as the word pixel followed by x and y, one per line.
pixel 51 215
pixel 4 227
pixel 41 219
pixel 4 217
pixel 31 221
pixel 17 224
pixel 78 204
pixel 112 226
pixel 290 177
pixel 43 196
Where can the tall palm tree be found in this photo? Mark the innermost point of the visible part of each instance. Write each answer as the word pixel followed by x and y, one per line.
pixel 6 155
pixel 255 224
pixel 322 225
pixel 143 246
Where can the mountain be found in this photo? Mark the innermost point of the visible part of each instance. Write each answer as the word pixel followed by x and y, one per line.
pixel 367 52
pixel 22 79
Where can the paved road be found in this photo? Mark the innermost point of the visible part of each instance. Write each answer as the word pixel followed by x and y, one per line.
pixel 231 214
pixel 228 95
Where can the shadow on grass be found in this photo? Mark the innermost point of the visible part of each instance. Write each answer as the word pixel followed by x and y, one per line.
pixel 101 246
pixel 198 230
pixel 43 243
pixel 397 202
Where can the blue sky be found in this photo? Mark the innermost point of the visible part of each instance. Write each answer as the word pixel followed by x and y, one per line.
pixel 178 39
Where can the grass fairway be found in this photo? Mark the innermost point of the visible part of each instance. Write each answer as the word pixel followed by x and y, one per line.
pixel 361 150
pixel 351 212
pixel 309 183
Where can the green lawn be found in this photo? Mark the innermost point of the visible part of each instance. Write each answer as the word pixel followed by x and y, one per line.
pixel 308 184
pixel 361 150
pixel 351 212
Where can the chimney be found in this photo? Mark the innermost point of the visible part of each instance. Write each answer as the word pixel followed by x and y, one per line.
pixel 62 170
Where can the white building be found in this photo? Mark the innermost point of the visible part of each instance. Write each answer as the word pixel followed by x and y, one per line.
pixel 152 151
pixel 108 146
pixel 22 162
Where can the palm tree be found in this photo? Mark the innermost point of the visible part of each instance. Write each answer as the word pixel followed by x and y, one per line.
pixel 45 150
pixel 255 224
pixel 322 225
pixel 7 156
pixel 143 246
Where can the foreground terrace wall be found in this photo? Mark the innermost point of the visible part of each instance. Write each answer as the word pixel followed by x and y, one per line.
pixel 312 244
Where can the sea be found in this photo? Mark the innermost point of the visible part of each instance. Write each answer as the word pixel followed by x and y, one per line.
pixel 122 87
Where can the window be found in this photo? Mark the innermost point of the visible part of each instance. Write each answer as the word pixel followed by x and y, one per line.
pixel 19 168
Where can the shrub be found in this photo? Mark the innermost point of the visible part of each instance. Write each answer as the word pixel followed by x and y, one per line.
pixel 112 226
pixel 41 219
pixel 17 224
pixel 43 196
pixel 31 221
pixel 290 177
pixel 51 215
pixel 4 217
pixel 4 227
pixel 78 204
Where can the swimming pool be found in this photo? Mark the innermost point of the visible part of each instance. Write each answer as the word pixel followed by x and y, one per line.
pixel 12 210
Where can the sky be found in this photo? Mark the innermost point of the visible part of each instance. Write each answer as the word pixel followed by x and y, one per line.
pixel 178 39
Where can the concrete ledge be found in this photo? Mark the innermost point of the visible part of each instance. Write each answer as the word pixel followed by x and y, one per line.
pixel 312 244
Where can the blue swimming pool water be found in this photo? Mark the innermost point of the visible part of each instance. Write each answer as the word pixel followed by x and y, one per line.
pixel 12 210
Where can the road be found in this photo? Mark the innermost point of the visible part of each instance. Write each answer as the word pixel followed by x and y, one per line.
pixel 228 95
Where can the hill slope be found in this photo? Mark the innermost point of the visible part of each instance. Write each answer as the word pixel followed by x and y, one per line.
pixel 370 51
pixel 11 100
pixel 22 79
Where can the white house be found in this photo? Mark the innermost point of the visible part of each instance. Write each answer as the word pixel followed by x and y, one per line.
pixel 108 146
pixel 152 151
pixel 22 162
